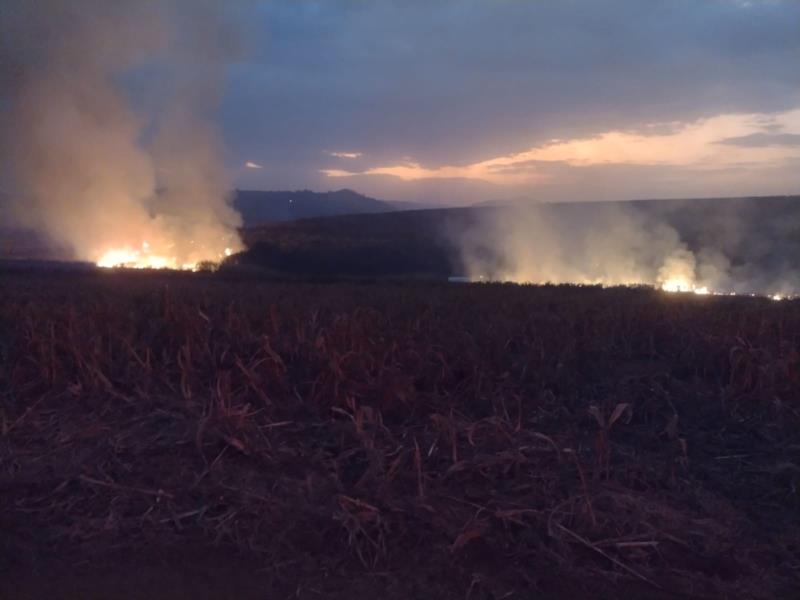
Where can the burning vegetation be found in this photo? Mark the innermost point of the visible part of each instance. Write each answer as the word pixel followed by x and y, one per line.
pixel 670 245
pixel 406 440
pixel 114 184
pixel 144 258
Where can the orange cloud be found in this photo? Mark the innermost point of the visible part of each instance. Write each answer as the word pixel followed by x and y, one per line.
pixel 693 145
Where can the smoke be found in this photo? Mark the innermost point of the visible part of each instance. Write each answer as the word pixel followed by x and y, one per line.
pixel 106 135
pixel 706 246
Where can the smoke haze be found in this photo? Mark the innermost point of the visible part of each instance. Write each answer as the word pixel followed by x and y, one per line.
pixel 715 246
pixel 112 181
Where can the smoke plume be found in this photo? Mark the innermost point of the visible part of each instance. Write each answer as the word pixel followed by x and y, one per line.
pixel 707 246
pixel 106 138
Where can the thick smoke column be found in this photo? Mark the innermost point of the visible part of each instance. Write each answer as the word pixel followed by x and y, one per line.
pixel 86 168
pixel 706 246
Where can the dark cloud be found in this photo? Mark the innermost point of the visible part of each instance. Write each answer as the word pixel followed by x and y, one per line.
pixel 469 76
pixel 762 140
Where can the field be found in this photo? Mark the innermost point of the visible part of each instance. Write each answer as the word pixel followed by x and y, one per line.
pixel 204 436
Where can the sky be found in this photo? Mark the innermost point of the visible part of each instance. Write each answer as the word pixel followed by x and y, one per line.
pixel 468 100
pixel 464 101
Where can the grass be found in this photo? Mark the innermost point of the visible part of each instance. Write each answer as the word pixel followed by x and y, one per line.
pixel 402 440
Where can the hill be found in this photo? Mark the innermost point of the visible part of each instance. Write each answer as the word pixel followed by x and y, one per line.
pixel 762 231
pixel 260 206
pixel 398 244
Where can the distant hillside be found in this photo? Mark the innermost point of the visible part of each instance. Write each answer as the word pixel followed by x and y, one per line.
pixel 763 230
pixel 411 205
pixel 262 207
pixel 398 244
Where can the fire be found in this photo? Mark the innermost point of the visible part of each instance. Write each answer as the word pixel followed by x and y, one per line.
pixel 132 258
pixel 683 285
pixel 144 258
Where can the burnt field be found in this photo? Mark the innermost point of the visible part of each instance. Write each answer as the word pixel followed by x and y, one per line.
pixel 195 436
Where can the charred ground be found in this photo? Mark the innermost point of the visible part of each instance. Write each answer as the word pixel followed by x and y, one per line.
pixel 203 436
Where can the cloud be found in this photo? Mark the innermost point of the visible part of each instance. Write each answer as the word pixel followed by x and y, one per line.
pixel 458 82
pixel 501 67
pixel 252 165
pixel 345 154
pixel 701 145
pixel 464 98
pixel 762 140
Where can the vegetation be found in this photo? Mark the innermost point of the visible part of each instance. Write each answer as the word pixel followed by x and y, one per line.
pixel 399 441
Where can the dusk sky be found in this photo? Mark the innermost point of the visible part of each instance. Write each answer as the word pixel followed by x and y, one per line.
pixel 462 101
pixel 470 100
